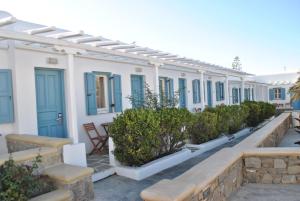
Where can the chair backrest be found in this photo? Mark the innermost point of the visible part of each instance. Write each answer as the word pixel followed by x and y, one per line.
pixel 91 130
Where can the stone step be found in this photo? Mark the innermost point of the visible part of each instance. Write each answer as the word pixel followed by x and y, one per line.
pixel 57 195
pixel 50 157
pixel 74 178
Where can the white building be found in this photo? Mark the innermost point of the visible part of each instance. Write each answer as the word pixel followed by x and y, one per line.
pixel 52 80
pixel 279 85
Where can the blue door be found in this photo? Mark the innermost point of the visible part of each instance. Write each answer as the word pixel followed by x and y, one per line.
pixel 50 103
pixel 209 94
pixel 182 92
pixel 137 91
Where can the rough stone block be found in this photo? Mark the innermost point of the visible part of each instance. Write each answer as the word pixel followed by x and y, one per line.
pixel 267 179
pixel 288 179
pixel 253 162
pixel 279 163
pixel 293 170
pixel 267 163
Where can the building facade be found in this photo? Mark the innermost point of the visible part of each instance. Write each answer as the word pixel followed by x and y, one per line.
pixel 52 81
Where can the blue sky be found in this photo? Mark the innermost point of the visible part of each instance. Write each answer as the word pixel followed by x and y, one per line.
pixel 265 34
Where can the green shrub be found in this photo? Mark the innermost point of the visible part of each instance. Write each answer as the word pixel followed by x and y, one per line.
pixel 204 127
pixel 135 135
pixel 223 117
pixel 174 124
pixel 267 110
pixel 238 116
pixel 254 117
pixel 21 182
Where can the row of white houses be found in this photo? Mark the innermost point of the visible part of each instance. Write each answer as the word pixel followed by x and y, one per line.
pixel 52 80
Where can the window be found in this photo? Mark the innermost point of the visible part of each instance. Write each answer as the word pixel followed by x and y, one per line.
pixel 166 89
pixel 101 93
pixel 196 91
pixel 219 91
pixel 277 93
pixel 235 95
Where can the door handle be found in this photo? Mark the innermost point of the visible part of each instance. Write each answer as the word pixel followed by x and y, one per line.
pixel 59 117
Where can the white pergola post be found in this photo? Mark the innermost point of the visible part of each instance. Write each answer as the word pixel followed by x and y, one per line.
pixel 254 92
pixel 242 90
pixel 226 91
pixel 156 76
pixel 71 98
pixel 202 91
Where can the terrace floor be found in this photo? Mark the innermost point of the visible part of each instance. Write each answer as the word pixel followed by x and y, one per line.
pixel 119 188
pixel 267 192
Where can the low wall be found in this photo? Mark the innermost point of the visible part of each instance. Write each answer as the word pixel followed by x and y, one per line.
pixel 223 173
pixel 272 166
pixel 20 142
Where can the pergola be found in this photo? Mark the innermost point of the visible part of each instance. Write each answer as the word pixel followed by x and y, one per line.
pixel 18 33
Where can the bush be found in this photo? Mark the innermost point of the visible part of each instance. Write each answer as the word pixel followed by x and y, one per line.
pixel 204 127
pixel 238 116
pixel 267 110
pixel 21 182
pixel 142 135
pixel 254 117
pixel 174 124
pixel 135 134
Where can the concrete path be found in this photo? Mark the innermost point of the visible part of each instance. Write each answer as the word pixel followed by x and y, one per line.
pixel 267 192
pixel 290 138
pixel 117 188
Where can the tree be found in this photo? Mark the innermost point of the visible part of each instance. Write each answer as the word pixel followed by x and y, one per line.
pixel 295 91
pixel 236 64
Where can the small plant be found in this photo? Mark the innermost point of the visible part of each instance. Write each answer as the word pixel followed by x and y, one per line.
pixel 238 116
pixel 135 134
pixel 253 118
pixel 204 127
pixel 155 101
pixel 22 182
pixel 174 124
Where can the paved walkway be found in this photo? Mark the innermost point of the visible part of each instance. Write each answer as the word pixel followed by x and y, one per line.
pixel 290 138
pixel 267 192
pixel 117 188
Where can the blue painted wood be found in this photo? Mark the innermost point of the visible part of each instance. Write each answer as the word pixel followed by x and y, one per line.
pixel 171 88
pixel 117 93
pixel 6 97
pixel 90 93
pixel 235 96
pixel 137 90
pixel 240 95
pixel 282 91
pixel 296 105
pixel 182 92
pixel 209 94
pixel 271 94
pixel 50 103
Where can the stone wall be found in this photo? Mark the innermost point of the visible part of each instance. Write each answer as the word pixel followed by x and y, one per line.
pixel 225 184
pixel 272 169
pixel 275 137
pixel 251 161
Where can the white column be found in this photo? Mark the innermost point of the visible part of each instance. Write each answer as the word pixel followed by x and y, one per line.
pixel 202 91
pixel 226 91
pixel 71 100
pixel 243 90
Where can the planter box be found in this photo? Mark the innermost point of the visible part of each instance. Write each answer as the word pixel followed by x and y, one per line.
pixel 242 133
pixel 207 146
pixel 153 167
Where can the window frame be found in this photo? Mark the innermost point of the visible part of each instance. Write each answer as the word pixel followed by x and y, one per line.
pixel 277 94
pixel 106 98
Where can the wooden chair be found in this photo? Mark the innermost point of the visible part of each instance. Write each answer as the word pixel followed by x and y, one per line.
pixel 96 139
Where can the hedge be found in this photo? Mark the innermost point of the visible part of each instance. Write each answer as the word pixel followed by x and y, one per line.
pixel 143 135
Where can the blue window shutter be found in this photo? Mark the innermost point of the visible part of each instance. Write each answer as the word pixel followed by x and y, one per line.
pixel 240 95
pixel 137 90
pixel 282 91
pixel 198 91
pixel 253 94
pixel 194 91
pixel 90 93
pixel 271 94
pixel 222 91
pixel 171 88
pixel 6 97
pixel 245 94
pixel 217 91
pixel 117 91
